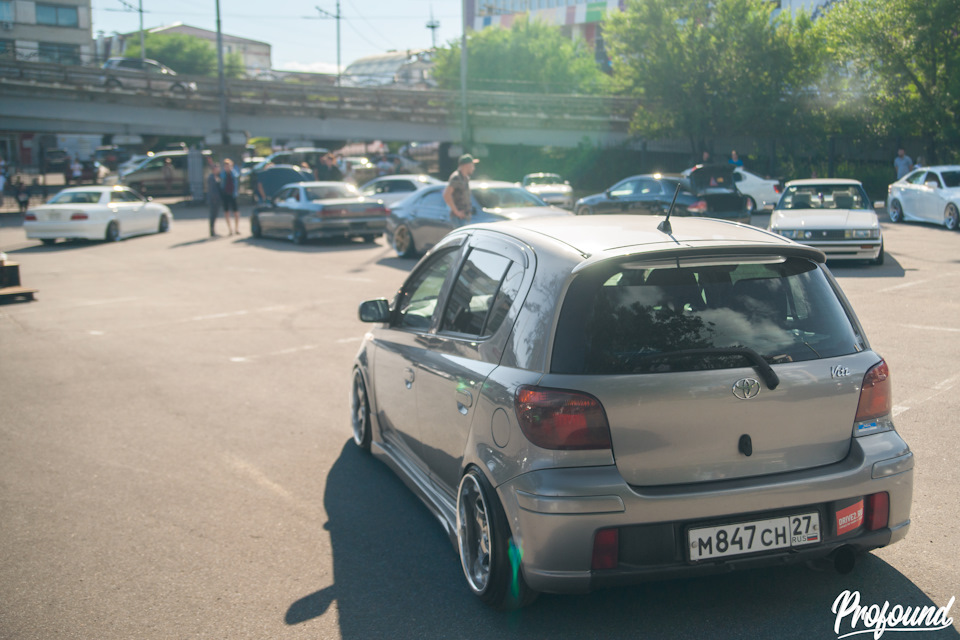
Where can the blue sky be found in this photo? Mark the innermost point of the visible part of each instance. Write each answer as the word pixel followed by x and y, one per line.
pixel 300 40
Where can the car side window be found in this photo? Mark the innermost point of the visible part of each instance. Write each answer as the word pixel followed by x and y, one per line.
pixel 624 188
pixel 932 177
pixel 475 306
pixel 418 301
pixel 916 178
pixel 433 199
pixel 402 186
pixel 647 188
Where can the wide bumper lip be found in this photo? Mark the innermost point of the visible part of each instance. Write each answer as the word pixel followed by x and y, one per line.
pixel 555 513
pixel 849 249
pixel 88 230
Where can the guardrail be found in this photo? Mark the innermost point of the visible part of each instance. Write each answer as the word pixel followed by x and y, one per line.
pixel 507 109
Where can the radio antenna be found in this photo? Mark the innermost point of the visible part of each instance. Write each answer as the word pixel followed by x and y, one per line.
pixel 665 225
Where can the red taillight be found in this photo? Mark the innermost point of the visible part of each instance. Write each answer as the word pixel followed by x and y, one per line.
pixel 606 549
pixel 32 217
pixel 877 508
pixel 876 394
pixel 558 419
pixel 776 188
pixel 699 207
pixel 79 216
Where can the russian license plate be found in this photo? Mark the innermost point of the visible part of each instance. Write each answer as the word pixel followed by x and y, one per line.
pixel 750 537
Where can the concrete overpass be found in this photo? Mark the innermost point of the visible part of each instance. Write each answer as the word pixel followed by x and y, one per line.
pixel 49 98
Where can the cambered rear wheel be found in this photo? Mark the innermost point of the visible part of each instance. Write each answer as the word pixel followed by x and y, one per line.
pixel 951 218
pixel 255 229
pixel 488 555
pixel 113 232
pixel 164 224
pixel 403 242
pixel 360 412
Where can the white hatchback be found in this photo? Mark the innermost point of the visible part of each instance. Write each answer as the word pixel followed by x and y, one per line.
pixel 833 215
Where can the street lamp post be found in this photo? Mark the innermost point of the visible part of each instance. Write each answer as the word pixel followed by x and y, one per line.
pixel 224 124
pixel 336 16
pixel 143 48
pixel 464 125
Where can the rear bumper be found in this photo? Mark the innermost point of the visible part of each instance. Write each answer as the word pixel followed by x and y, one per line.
pixel 88 230
pixel 554 515
pixel 347 227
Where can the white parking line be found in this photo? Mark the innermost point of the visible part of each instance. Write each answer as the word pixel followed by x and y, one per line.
pixel 905 285
pixel 939 389
pixel 929 328
pixel 291 350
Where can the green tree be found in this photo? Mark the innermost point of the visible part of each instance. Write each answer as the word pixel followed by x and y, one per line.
pixel 898 66
pixel 186 54
pixel 702 68
pixel 529 57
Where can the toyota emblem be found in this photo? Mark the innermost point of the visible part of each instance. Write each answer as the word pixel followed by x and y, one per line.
pixel 746 388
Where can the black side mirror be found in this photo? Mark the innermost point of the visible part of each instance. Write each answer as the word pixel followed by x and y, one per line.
pixel 375 310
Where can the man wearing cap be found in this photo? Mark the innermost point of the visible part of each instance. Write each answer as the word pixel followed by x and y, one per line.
pixel 457 193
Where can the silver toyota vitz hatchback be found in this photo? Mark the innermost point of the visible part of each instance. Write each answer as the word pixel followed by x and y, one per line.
pixel 594 402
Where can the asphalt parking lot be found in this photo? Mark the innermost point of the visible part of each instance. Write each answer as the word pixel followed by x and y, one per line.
pixel 175 457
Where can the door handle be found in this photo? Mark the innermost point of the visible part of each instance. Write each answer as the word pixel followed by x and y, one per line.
pixel 464 401
pixel 408 377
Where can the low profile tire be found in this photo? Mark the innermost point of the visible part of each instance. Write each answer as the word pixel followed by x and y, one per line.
pixel 879 259
pixel 360 412
pixel 896 211
pixel 751 205
pixel 403 242
pixel 299 234
pixel 255 229
pixel 164 224
pixel 490 561
pixel 584 211
pixel 951 217
pixel 49 241
pixel 113 232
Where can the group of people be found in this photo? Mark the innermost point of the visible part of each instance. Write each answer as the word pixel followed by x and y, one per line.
pixel 16 187
pixel 223 190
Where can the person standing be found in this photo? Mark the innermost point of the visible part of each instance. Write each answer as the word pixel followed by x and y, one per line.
pixel 735 159
pixel 230 190
pixel 328 169
pixel 214 199
pixel 167 171
pixel 902 163
pixel 457 193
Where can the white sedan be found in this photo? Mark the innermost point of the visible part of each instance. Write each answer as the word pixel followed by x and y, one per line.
pixel 96 213
pixel 929 194
pixel 760 192
pixel 833 215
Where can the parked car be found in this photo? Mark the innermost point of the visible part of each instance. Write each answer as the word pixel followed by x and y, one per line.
pixel 833 215
pixel 135 161
pixel 154 177
pixel 265 183
pixel 550 188
pixel 110 156
pixel 56 160
pixel 420 221
pixel 587 402
pixel 391 189
pixel 707 191
pixel 297 156
pixel 930 194
pixel 139 73
pixel 96 213
pixel 357 169
pixel 761 193
pixel 307 210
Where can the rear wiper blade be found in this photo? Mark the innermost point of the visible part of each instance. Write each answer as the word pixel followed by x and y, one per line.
pixel 769 376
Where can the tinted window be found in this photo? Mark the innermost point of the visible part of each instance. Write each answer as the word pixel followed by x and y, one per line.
pixel 500 197
pixel 418 301
pixel 951 179
pixel 433 199
pixel 631 319
pixel 475 295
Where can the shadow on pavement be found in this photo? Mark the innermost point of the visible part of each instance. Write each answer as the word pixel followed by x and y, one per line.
pixel 397 575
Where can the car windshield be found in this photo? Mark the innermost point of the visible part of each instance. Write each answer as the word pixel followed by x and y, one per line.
pixel 951 179
pixel 549 178
pixel 75 197
pixel 633 318
pixel 503 197
pixel 824 196
pixel 330 192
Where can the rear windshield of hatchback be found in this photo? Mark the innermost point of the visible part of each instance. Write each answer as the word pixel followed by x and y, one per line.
pixel 632 318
